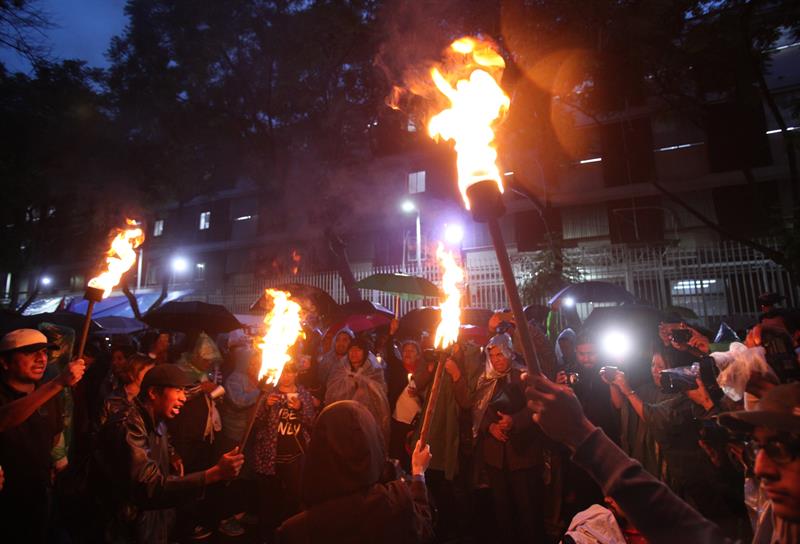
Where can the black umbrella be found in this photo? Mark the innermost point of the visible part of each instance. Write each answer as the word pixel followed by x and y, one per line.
pixel 311 298
pixel 419 319
pixel 592 291
pixel 638 319
pixel 62 318
pixel 363 307
pixel 192 316
pixel 113 324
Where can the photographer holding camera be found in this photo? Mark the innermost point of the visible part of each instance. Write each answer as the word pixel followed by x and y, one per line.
pixel 671 411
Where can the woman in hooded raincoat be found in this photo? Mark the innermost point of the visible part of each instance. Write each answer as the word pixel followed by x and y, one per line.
pixel 358 377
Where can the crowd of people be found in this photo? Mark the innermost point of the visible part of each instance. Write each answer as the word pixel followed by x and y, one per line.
pixel 678 438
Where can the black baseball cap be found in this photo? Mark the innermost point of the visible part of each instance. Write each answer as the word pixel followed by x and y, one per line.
pixel 166 375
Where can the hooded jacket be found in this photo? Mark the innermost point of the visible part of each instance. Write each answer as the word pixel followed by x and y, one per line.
pixel 345 501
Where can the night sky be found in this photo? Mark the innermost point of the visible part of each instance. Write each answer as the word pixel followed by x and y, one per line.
pixel 82 29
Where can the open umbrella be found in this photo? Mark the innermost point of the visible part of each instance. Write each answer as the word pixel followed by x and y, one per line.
pixel 419 319
pixel 114 324
pixel 404 285
pixel 591 291
pixel 192 316
pixel 71 320
pixel 310 298
pixel 628 316
pixel 363 307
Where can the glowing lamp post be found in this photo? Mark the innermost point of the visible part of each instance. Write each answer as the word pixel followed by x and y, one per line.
pixel 120 257
pixel 476 104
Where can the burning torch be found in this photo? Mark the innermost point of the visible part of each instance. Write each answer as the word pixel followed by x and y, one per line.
pixel 284 327
pixel 476 104
pixel 446 331
pixel 120 257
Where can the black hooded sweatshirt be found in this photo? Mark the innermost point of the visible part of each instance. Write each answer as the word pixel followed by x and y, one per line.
pixel 345 503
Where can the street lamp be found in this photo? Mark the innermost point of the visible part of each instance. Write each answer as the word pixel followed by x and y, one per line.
pixel 46 280
pixel 453 234
pixel 409 207
pixel 180 264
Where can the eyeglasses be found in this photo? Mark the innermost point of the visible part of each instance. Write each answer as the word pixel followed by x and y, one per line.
pixel 780 452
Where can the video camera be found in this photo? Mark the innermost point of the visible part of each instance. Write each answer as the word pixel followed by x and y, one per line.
pixel 684 378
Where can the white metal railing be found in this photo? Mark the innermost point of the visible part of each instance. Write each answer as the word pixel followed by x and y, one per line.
pixel 719 282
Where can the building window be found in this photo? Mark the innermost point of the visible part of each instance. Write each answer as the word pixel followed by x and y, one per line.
pixel 200 271
pixel 32 214
pixel 158 227
pixel 416 182
pixel 205 220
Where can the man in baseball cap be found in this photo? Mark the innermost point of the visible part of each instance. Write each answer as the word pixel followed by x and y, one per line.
pixel 30 420
pixel 134 445
pixel 775 448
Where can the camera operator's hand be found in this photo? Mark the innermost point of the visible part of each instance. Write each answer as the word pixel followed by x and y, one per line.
pixel 699 342
pixel 420 459
pixel 700 396
pixel 72 373
pixel 558 412
pixel 619 380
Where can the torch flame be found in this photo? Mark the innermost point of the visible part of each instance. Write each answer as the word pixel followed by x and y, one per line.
pixel 120 258
pixel 284 327
pixel 476 104
pixel 453 275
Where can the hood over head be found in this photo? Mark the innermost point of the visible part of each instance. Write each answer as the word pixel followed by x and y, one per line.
pixel 346 453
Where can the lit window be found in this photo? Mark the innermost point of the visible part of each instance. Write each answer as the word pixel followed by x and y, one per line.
pixel 416 182
pixel 158 227
pixel 32 214
pixel 200 271
pixel 205 220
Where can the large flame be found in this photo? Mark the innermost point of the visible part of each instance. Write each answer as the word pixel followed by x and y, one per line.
pixel 452 278
pixel 284 327
pixel 476 105
pixel 120 257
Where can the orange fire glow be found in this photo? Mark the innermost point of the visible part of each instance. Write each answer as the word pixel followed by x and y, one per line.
pixel 452 279
pixel 120 257
pixel 477 103
pixel 284 327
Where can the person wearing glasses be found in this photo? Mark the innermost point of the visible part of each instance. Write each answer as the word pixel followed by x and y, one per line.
pixel 775 452
pixel 651 507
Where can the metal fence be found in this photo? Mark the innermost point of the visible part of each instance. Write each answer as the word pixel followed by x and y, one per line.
pixel 719 283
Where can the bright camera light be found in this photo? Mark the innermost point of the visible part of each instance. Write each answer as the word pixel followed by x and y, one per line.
pixel 615 344
pixel 408 206
pixel 180 264
pixel 569 302
pixel 453 234
pixel 46 280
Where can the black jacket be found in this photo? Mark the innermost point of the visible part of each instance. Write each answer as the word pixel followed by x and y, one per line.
pixel 133 455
